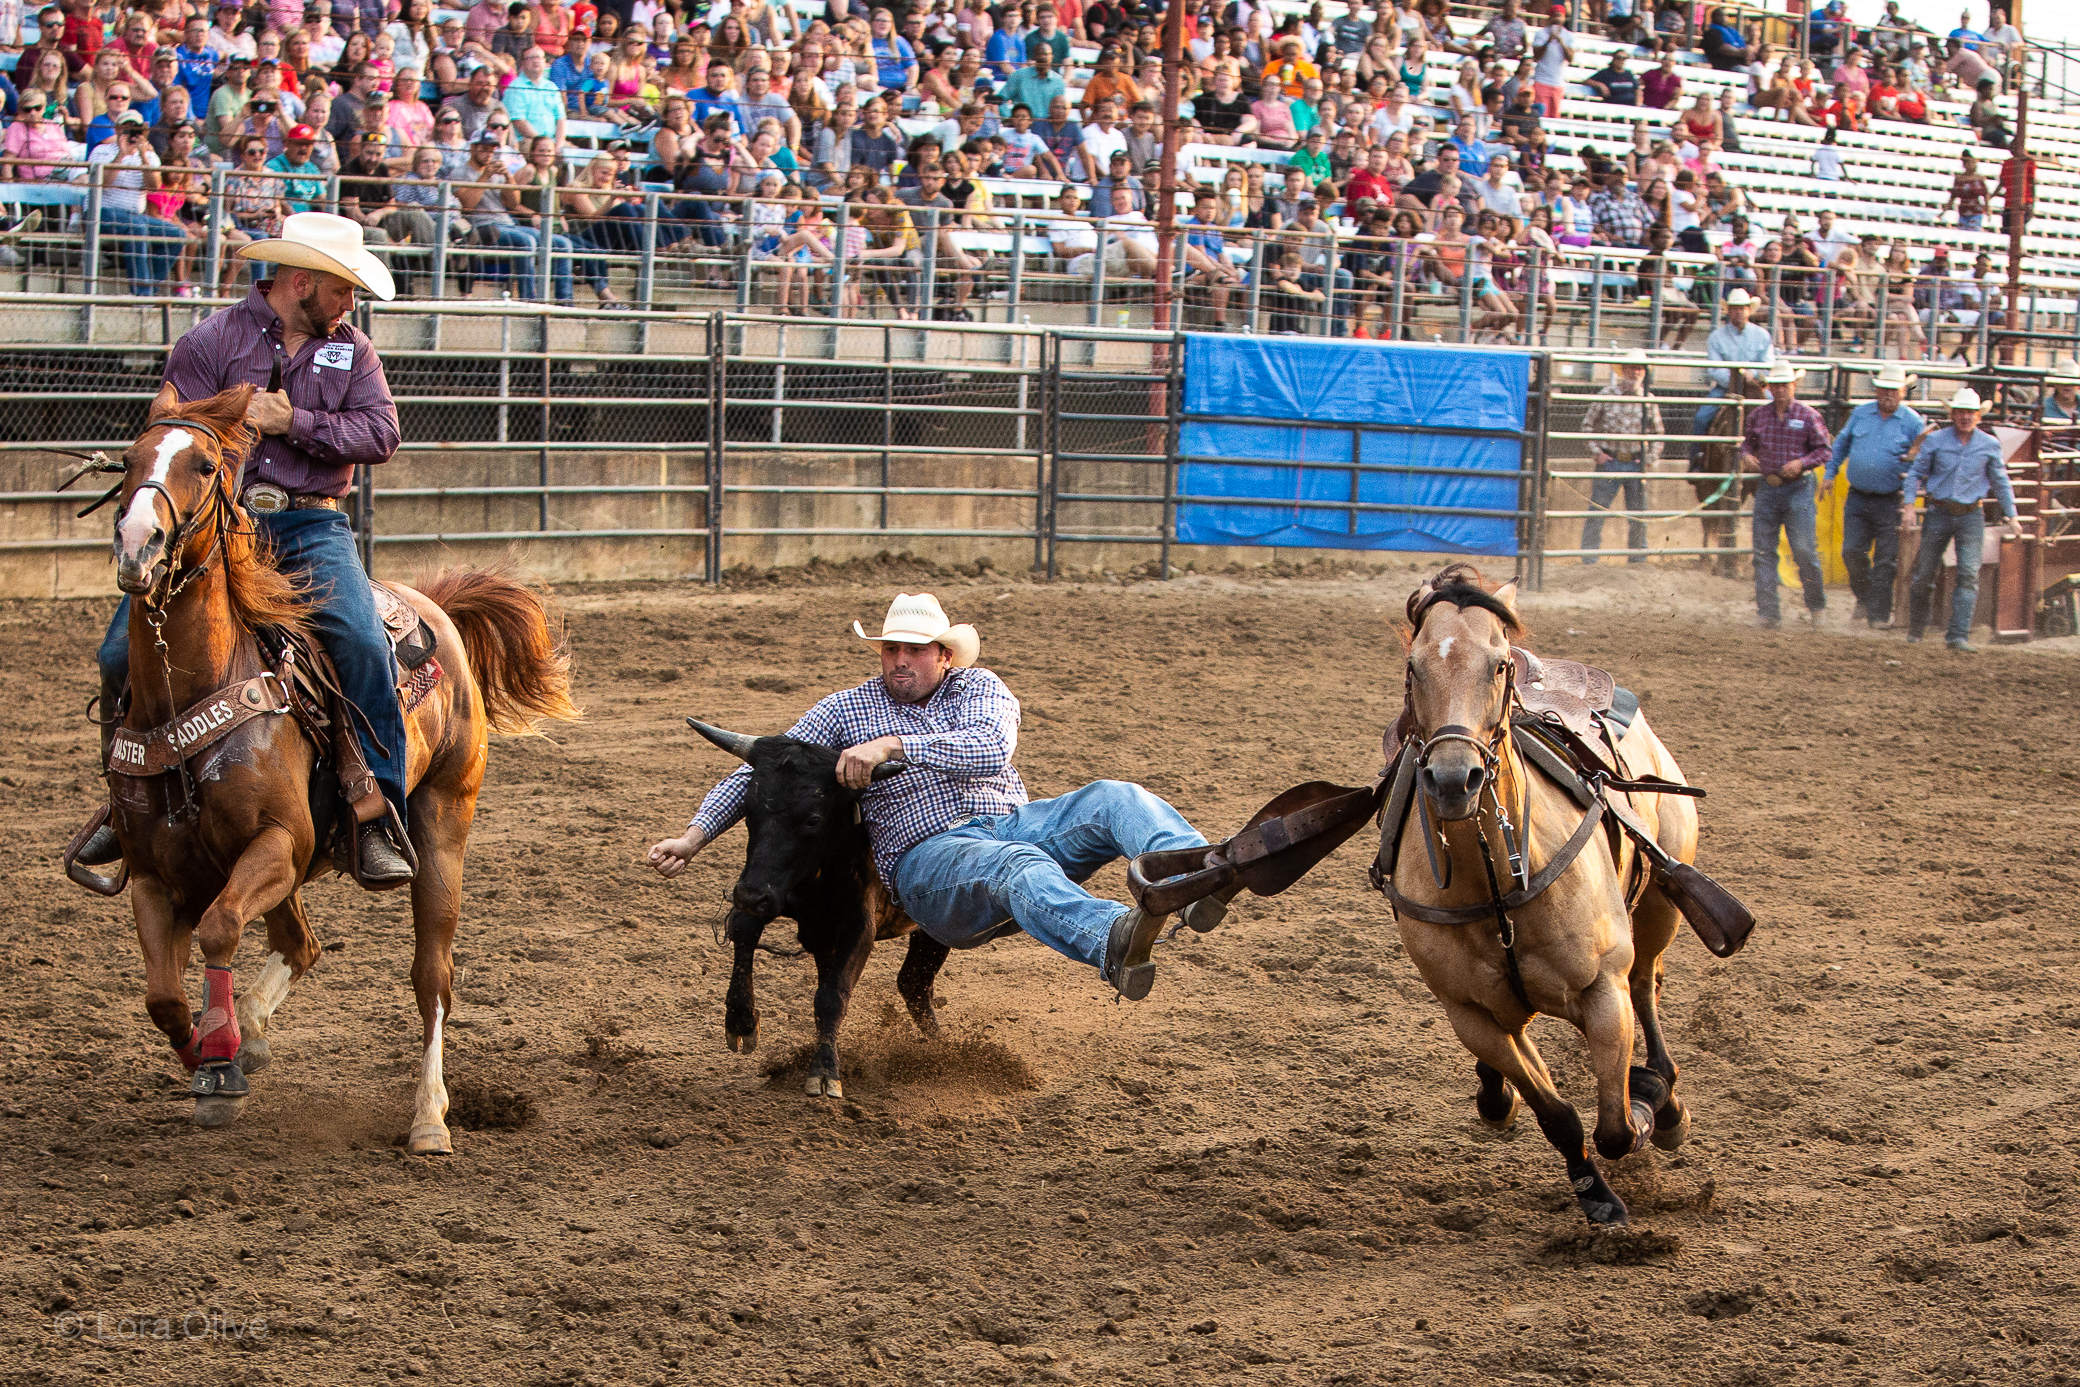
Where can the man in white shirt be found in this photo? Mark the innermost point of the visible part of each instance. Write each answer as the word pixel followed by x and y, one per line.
pixel 1101 138
pixel 1554 50
pixel 125 167
pixel 1829 241
pixel 1496 193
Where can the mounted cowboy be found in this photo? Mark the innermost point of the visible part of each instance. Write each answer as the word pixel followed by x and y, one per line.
pixel 955 840
pixel 322 408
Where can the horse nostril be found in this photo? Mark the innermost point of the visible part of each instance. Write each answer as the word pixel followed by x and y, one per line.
pixel 1474 780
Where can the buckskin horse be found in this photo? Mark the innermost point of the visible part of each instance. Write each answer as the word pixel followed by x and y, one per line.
pixel 223 831
pixel 1509 899
pixel 1720 497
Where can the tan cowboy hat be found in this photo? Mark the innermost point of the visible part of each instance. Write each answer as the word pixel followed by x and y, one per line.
pixel 321 241
pixel 1635 357
pixel 1739 298
pixel 1892 376
pixel 918 619
pixel 1783 373
pixel 2064 371
pixel 1966 398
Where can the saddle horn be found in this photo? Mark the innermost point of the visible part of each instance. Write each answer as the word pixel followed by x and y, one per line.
pixel 736 744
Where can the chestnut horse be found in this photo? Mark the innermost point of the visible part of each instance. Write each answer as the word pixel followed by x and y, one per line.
pixel 1579 952
pixel 228 837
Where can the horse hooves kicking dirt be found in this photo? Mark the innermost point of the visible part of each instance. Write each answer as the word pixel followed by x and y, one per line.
pixel 1514 888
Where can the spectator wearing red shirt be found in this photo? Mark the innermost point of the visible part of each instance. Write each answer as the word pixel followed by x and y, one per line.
pixel 1371 181
pixel 82 32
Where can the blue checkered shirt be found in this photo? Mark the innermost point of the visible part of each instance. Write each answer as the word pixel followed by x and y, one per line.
pixel 959 744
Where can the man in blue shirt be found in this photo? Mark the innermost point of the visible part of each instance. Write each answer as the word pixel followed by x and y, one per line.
pixel 716 97
pixel 1473 150
pixel 1873 444
pixel 198 62
pixel 1956 469
pixel 572 67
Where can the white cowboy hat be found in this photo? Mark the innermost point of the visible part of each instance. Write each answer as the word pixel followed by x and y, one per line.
pixel 1892 376
pixel 321 241
pixel 918 619
pixel 1739 298
pixel 1966 398
pixel 1782 373
pixel 2064 371
pixel 1635 357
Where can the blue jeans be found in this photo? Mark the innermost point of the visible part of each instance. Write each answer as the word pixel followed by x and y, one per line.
pixel 1026 866
pixel 151 245
pixel 1789 508
pixel 1870 549
pixel 559 265
pixel 1611 476
pixel 1701 422
pixel 1938 529
pixel 320 545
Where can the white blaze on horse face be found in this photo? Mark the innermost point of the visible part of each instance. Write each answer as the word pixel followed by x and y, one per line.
pixel 143 517
pixel 1444 648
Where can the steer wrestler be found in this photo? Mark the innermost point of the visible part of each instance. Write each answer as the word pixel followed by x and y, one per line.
pixel 955 839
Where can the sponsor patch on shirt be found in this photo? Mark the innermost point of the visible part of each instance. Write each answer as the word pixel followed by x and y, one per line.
pixel 1794 423
pixel 338 355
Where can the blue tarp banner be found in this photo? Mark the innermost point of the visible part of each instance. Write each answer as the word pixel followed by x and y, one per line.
pixel 1320 383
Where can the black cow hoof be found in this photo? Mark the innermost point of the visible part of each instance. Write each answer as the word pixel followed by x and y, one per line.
pixel 743 1044
pixel 820 1086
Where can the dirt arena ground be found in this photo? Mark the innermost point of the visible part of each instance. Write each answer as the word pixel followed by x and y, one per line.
pixel 1269 1172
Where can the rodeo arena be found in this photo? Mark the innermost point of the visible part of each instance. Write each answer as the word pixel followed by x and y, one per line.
pixel 1439 642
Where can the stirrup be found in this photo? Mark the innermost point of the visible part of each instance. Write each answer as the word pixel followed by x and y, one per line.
pixel 84 875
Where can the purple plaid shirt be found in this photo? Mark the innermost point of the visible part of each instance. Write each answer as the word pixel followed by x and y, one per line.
pixel 1800 436
pixel 958 742
pixel 343 413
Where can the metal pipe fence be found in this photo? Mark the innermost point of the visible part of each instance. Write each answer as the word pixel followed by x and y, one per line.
pixel 731 438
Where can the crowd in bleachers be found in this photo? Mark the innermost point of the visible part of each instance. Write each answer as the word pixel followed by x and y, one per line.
pixel 1344 163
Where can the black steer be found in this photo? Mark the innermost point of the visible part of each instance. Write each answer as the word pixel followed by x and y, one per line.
pixel 809 860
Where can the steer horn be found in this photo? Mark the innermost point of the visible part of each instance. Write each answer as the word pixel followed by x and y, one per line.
pixel 735 743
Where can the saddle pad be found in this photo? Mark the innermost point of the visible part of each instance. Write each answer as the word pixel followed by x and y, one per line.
pixel 1564 688
pixel 410 637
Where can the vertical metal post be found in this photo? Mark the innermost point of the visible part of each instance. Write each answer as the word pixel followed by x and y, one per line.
pixel 1017 273
pixel 1529 336
pixel 646 268
pixel 1329 287
pixel 744 270
pixel 546 226
pixel 1402 250
pixel 1825 284
pixel 1724 287
pixel 926 290
pixel 779 383
pixel 1662 280
pixel 332 192
pixel 844 222
pixel 542 462
pixel 1776 291
pixel 1258 251
pixel 1039 435
pixel 1539 478
pixel 90 267
pixel 1595 298
pixel 1986 293
pixel 888 402
pixel 1884 312
pixel 718 418
pixel 443 224
pixel 1173 430
pixel 505 369
pixel 1466 297
pixel 1098 277
pixel 213 248
pixel 1935 318
pixel 1051 446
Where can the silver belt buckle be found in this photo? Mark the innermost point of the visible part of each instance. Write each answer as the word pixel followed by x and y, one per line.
pixel 265 498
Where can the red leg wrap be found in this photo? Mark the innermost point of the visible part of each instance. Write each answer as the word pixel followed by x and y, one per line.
pixel 189 1051
pixel 216 1031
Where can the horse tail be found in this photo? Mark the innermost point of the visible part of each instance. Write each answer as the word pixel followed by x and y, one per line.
pixel 521 664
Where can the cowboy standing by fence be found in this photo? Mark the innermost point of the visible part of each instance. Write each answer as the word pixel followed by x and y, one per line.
pixel 1736 341
pixel 1629 422
pixel 1786 440
pixel 955 839
pixel 1873 444
pixel 1955 468
pixel 323 408
pixel 2061 400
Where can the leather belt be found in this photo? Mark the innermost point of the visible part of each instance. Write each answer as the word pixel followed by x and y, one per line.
pixel 1876 495
pixel 265 498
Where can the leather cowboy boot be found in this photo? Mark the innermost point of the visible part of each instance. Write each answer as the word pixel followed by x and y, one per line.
pixel 381 860
pixel 102 846
pixel 1127 965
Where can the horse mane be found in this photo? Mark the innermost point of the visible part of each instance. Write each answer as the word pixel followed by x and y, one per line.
pixel 260 593
pixel 1460 584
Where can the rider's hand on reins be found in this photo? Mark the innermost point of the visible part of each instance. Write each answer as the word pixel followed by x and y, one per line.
pixel 270 411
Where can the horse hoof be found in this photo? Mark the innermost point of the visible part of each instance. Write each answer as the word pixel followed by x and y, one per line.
pixel 218 1111
pixel 254 1054
pixel 1508 1119
pixel 743 1044
pixel 429 1139
pixel 1673 1133
pixel 820 1087
pixel 1605 1215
